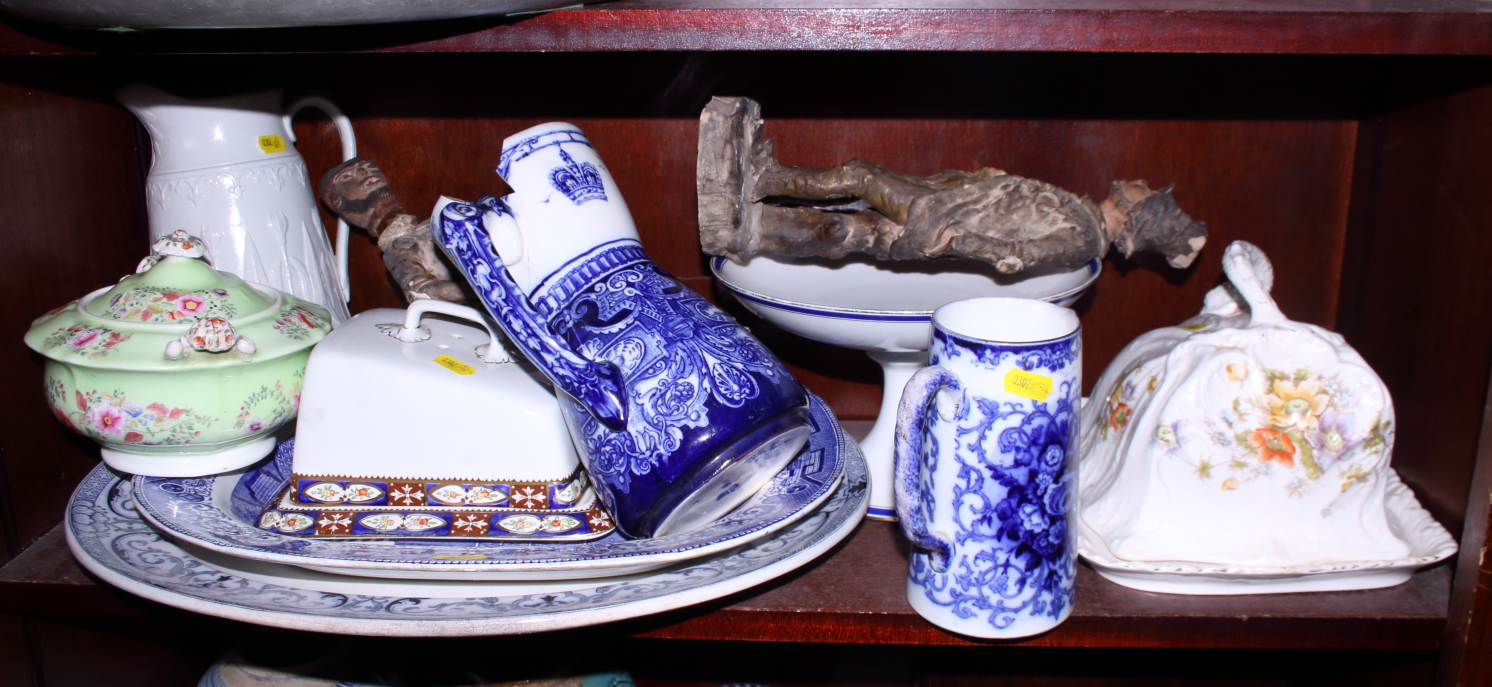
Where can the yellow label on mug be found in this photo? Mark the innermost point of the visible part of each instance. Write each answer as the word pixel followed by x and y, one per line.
pixel 272 144
pixel 455 365
pixel 1030 385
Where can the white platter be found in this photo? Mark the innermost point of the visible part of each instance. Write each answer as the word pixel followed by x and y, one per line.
pixel 1428 543
pixel 111 540
pixel 201 511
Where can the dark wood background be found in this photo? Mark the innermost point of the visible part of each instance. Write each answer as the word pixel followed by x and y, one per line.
pixel 1363 177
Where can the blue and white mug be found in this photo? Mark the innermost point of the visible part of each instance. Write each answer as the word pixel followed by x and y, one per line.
pixel 986 448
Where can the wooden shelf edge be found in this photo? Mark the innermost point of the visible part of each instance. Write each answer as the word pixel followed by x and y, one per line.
pixel 855 596
pixel 45 579
pixel 1156 633
pixel 622 26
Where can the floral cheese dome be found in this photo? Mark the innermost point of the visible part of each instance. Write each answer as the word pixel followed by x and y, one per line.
pixel 178 370
pixel 1240 441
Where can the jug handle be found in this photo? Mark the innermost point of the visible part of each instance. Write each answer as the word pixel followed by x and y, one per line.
pixel 459 228
pixel 925 386
pixel 349 151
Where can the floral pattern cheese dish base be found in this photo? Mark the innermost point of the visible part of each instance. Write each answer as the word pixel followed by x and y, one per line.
pixel 205 512
pixel 111 540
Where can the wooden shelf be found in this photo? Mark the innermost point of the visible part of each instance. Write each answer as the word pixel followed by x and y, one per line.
pixel 1347 142
pixel 1457 27
pixel 856 594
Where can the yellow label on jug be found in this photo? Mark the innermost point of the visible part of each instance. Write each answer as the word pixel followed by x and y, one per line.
pixel 272 144
pixel 1033 386
pixel 457 366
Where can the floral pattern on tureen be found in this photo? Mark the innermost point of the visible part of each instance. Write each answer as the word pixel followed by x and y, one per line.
pixel 153 304
pixel 90 342
pixel 111 416
pixel 157 366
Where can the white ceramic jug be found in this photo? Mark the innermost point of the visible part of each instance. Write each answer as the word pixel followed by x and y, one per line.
pixel 226 169
pixel 678 413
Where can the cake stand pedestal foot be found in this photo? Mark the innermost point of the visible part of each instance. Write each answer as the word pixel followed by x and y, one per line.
pixel 880 444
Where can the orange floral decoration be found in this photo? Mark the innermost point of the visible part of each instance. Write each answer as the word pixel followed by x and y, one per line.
pixel 1273 446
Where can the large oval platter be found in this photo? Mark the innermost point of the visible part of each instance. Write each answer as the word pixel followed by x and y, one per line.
pixel 204 512
pixel 111 540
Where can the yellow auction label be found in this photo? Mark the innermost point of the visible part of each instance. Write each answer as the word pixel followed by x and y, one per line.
pixel 272 144
pixel 459 367
pixel 1028 384
pixel 461 557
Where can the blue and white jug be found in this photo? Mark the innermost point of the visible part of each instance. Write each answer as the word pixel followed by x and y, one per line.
pixel 678 412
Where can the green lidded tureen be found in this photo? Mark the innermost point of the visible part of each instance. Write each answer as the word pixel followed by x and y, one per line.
pixel 179 370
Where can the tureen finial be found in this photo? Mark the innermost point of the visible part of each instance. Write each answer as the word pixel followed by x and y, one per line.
pixel 180 244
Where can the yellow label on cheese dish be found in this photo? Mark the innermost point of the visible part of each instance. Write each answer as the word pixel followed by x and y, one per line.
pixel 461 557
pixel 459 367
pixel 272 144
pixel 1028 384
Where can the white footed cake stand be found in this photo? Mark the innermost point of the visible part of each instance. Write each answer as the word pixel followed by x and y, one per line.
pixel 885 309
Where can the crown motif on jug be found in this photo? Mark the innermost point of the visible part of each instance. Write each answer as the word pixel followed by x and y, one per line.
pixel 579 181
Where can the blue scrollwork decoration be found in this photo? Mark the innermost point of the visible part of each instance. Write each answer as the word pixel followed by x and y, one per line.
pixel 596 385
pixel 996 532
pixel 660 382
pixel 1011 508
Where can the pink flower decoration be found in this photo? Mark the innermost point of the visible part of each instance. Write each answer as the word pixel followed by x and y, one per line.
pixel 190 305
pixel 256 424
pixel 107 419
pixel 83 338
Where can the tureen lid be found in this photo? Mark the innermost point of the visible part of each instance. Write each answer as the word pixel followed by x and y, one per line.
pixel 175 285
pixel 177 312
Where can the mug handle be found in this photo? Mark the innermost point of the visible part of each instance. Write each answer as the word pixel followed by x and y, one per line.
pixel 412 332
pixel 925 385
pixel 349 151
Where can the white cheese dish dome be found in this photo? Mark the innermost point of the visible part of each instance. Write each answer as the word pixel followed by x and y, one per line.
pixel 1242 441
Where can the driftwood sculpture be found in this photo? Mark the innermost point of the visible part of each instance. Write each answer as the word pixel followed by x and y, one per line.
pixel 748 203
pixel 357 192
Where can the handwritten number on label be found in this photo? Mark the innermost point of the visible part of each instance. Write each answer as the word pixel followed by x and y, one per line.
pixel 455 365
pixel 271 144
pixel 1027 384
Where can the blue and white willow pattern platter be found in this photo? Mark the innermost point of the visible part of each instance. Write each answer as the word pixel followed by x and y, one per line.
pixel 111 540
pixel 199 511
